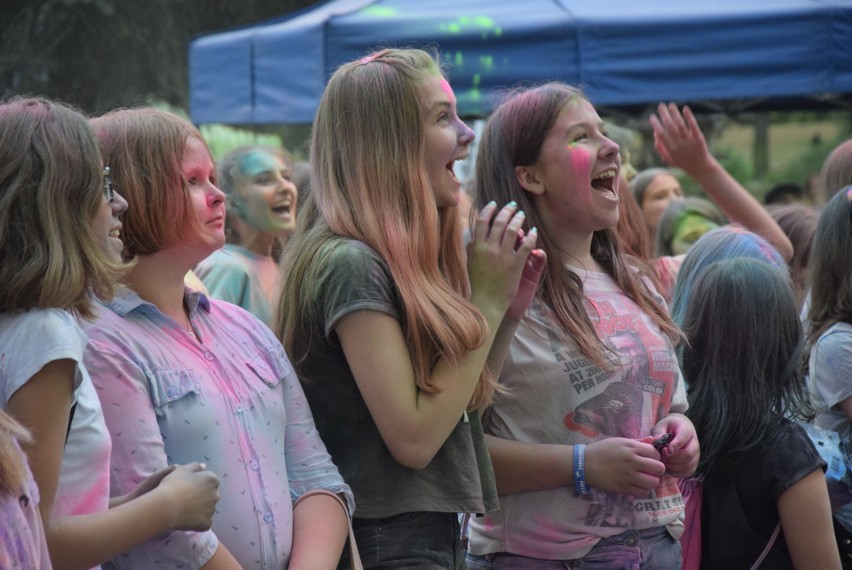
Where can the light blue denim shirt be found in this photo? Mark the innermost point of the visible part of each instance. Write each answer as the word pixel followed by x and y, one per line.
pixel 225 395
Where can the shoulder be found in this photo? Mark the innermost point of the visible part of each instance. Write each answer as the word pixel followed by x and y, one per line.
pixel 834 346
pixel 40 328
pixel 229 259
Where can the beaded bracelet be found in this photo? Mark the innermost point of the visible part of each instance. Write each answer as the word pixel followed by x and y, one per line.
pixel 580 487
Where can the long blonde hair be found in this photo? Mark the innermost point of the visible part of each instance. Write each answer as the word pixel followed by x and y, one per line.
pixel 370 184
pixel 51 188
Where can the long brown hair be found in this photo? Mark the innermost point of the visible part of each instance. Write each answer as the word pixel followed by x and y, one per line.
pixel 514 136
pixel 51 188
pixel 369 183
pixel 831 267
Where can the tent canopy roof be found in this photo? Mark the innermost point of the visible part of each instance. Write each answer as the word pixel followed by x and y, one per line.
pixel 625 54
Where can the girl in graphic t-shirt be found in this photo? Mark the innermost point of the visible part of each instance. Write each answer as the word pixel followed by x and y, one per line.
pixel 591 375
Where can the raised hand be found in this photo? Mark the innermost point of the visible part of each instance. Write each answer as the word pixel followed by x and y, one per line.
pixel 495 264
pixel 678 138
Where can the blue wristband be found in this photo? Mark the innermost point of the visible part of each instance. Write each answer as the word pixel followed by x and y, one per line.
pixel 580 487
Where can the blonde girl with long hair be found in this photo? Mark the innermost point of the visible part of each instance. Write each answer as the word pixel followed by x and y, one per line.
pixel 387 328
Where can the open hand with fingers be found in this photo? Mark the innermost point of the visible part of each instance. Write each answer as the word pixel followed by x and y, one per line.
pixel 679 140
pixel 503 270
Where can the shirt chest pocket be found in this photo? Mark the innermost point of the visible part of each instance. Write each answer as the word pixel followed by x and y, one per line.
pixel 169 386
pixel 269 369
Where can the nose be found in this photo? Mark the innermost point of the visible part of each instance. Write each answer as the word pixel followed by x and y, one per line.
pixel 215 197
pixel 118 205
pixel 466 134
pixel 609 148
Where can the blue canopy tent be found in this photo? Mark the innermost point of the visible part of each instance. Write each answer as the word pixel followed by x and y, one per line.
pixel 739 54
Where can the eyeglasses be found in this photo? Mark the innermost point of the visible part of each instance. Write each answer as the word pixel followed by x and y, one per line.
pixel 109 189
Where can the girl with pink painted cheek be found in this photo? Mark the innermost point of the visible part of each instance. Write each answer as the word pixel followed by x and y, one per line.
pixel 591 375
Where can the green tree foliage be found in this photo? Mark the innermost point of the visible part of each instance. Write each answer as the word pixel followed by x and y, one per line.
pixel 104 54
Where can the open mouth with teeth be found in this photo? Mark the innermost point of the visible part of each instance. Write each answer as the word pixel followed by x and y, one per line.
pixel 283 209
pixel 605 181
pixel 450 166
pixel 116 233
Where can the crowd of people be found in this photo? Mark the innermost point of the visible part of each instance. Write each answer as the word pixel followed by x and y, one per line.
pixel 260 363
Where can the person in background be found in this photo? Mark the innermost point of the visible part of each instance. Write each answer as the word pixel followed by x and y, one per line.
pixel 181 375
pixel 683 222
pixel 654 189
pixel 591 377
pixel 784 194
pixel 680 143
pixel 726 242
pixel 261 201
pixel 60 246
pixel 829 329
pixel 387 328
pixel 836 171
pixel 764 494
pixel 799 222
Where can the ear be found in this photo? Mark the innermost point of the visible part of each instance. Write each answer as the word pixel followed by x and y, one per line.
pixel 529 180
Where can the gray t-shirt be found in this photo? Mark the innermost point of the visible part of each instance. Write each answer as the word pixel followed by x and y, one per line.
pixel 459 478
pixel 830 378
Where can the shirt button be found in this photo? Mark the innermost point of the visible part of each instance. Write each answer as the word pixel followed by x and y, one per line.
pixel 209 356
pixel 254 464
pixel 239 408
pixel 268 517
pixel 171 392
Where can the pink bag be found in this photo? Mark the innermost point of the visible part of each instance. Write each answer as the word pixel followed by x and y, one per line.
pixel 690 540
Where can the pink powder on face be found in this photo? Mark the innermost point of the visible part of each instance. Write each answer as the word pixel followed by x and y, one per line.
pixel 581 165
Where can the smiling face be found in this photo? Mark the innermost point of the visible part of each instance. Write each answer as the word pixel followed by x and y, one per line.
pixel 206 200
pixel 577 172
pixel 108 227
pixel 265 196
pixel 660 192
pixel 447 138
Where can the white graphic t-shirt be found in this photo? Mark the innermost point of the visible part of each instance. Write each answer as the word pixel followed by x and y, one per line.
pixel 558 396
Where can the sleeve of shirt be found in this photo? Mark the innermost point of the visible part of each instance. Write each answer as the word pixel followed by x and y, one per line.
pixel 309 465
pixel 831 373
pixel 138 451
pixel 793 459
pixel 356 280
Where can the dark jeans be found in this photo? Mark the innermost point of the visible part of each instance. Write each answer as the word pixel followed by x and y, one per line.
pixel 410 540
pixel 648 549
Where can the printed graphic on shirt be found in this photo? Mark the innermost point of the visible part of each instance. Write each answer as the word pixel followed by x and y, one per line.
pixel 624 402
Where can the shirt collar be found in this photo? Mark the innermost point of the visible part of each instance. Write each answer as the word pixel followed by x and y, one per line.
pixel 126 301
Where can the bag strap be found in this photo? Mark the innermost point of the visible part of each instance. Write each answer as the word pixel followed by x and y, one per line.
pixel 354 555
pixel 769 546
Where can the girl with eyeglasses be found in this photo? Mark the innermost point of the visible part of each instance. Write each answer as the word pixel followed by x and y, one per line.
pixel 60 247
